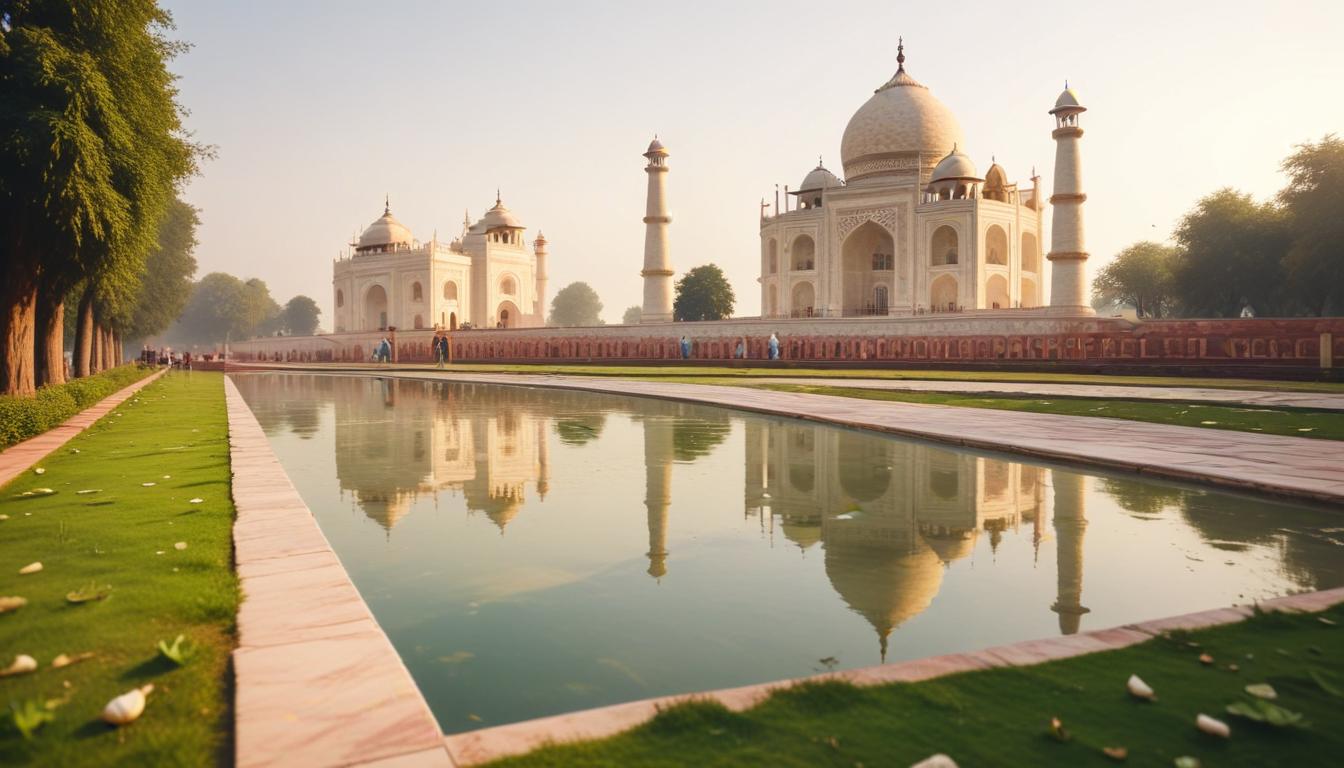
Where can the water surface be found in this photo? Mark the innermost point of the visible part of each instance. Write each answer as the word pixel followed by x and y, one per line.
pixel 534 551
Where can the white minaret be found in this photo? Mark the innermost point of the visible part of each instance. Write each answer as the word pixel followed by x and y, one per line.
pixel 1068 254
pixel 539 250
pixel 657 272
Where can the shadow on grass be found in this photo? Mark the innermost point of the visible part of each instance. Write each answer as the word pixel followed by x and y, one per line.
pixel 153 667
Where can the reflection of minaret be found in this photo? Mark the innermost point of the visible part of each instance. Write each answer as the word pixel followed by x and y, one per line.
pixel 658 450
pixel 1070 524
pixel 543 459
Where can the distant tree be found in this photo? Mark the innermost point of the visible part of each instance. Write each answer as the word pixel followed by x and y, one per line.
pixel 703 293
pixel 632 315
pixel 576 304
pixel 1230 254
pixel 300 316
pixel 1140 276
pixel 166 284
pixel 261 311
pixel 1313 202
pixel 222 306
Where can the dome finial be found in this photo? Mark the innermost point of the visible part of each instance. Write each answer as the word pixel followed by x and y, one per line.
pixel 387 205
pixel 900 54
pixel 820 164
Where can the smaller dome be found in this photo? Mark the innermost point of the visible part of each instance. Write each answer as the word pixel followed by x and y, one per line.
pixel 496 217
pixel 384 231
pixel 1068 102
pixel 656 148
pixel 819 178
pixel 955 166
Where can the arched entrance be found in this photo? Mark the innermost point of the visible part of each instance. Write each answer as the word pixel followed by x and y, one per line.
pixel 507 316
pixel 375 308
pixel 804 300
pixel 452 321
pixel 996 292
pixel 996 246
pixel 803 253
pixel 866 257
pixel 943 294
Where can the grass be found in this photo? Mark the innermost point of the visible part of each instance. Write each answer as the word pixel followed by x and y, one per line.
pixel 123 536
pixel 724 374
pixel 1322 425
pixel 1001 716
pixel 25 417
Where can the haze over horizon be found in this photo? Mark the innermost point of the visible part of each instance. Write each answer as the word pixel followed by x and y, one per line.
pixel 320 109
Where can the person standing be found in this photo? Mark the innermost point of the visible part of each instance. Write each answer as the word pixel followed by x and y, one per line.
pixel 685 348
pixel 774 346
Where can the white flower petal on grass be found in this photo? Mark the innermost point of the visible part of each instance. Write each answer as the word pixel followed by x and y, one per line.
pixel 196 500
pixel 1305 429
pixel 30 568
pixel 127 707
pixel 147 485
pixel 160 552
pixel 1212 726
pixel 39 471
pixel 1208 422
pixel 167 477
pixel 179 546
pixel 23 664
pixel 90 490
pixel 4 517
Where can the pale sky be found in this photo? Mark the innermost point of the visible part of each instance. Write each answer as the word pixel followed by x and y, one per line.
pixel 319 108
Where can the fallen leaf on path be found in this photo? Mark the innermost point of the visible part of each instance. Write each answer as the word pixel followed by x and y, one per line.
pixel 88 593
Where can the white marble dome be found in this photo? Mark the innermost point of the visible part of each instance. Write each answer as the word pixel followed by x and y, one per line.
pixel 955 166
pixel 499 216
pixel 384 231
pixel 819 178
pixel 899 119
pixel 1068 101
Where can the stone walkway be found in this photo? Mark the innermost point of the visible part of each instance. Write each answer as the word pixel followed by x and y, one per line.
pixel 317 681
pixel 1206 395
pixel 1287 466
pixel 20 456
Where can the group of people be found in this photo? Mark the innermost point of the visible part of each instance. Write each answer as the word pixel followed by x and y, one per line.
pixel 382 351
pixel 740 352
pixel 165 357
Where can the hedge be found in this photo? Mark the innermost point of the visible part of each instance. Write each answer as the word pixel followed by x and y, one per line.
pixel 24 417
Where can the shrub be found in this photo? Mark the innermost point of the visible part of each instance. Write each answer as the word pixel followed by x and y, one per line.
pixel 25 417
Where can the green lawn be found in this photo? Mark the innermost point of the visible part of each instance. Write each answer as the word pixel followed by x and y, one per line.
pixel 1001 716
pixel 173 433
pixel 1323 425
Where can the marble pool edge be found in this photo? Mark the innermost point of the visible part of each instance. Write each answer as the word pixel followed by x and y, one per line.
pixel 317 681
pixel 315 674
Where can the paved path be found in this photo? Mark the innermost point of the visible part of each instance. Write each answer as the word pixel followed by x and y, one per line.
pixel 1289 466
pixel 1243 397
pixel 20 456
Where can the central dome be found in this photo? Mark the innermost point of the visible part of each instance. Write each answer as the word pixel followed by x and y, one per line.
pixel 900 119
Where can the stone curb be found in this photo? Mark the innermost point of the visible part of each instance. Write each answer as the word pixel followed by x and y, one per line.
pixel 20 456
pixel 317 681
pixel 487 744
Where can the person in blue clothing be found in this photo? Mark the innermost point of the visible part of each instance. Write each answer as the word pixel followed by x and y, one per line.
pixel 384 353
pixel 774 347
pixel 685 348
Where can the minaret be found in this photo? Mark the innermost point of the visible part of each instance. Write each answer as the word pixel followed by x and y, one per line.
pixel 657 272
pixel 1068 254
pixel 539 250
pixel 658 453
pixel 1070 524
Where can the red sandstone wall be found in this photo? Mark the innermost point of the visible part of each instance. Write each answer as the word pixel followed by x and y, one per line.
pixel 1268 342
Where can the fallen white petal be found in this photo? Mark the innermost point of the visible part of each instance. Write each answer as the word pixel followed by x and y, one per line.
pixel 196 501
pixel 30 568
pixel 179 546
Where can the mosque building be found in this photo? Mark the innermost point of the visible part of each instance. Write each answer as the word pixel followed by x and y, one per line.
pixel 913 227
pixel 486 277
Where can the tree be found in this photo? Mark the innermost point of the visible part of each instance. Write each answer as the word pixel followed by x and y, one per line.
pixel 703 293
pixel 166 284
pixel 1140 276
pixel 632 315
pixel 1313 203
pixel 576 304
pixel 223 307
pixel 299 317
pixel 91 150
pixel 1230 250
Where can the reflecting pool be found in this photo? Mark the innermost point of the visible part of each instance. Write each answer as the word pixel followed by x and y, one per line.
pixel 534 551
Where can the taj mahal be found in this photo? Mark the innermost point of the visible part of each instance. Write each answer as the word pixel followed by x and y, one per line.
pixel 914 228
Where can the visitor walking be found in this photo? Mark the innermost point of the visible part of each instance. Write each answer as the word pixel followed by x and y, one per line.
pixel 774 346
pixel 441 349
pixel 741 350
pixel 685 348
pixel 384 354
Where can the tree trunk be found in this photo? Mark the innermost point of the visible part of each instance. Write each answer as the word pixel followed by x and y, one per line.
pixel 49 352
pixel 18 300
pixel 118 356
pixel 96 357
pixel 84 335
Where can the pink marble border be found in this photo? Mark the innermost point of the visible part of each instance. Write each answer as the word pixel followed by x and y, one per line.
pixel 317 681
pixel 476 747
pixel 20 456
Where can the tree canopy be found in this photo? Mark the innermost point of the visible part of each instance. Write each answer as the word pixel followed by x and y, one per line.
pixel 1141 276
pixel 1313 204
pixel 703 293
pixel 300 316
pixel 1230 251
pixel 223 307
pixel 166 284
pixel 574 305
pixel 632 315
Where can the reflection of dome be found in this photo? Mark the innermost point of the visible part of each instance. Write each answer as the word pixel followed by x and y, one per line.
pixel 384 510
pixel 865 469
pixel 901 117
pixel 802 534
pixel 951 545
pixel 384 231
pixel 887 588
pixel 501 509
pixel 819 178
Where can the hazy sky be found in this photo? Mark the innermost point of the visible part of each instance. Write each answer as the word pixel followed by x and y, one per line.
pixel 319 108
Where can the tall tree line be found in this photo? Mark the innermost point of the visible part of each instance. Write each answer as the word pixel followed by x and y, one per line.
pixel 1233 254
pixel 92 152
